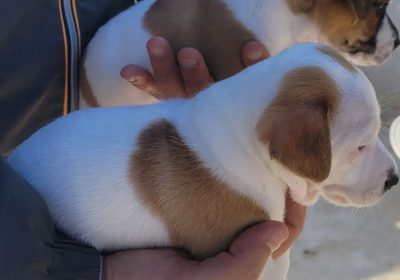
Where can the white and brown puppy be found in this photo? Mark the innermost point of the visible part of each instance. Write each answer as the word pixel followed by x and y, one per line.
pixel 193 173
pixel 360 29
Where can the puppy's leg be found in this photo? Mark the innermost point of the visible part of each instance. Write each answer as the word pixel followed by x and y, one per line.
pixel 276 269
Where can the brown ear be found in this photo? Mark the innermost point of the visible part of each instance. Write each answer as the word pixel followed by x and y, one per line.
pixel 361 7
pixel 301 6
pixel 296 125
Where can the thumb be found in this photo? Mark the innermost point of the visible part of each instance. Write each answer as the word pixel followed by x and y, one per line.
pixel 253 247
pixel 247 255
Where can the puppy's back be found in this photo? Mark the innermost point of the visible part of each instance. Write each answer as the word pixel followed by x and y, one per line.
pixel 79 165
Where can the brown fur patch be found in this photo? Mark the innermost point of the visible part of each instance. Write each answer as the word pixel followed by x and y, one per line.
pixel 338 58
pixel 362 7
pixel 300 6
pixel 346 23
pixel 207 25
pixel 202 214
pixel 296 124
pixel 86 91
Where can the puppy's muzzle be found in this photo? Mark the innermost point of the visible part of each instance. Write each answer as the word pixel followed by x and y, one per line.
pixel 396 43
pixel 395 33
pixel 392 180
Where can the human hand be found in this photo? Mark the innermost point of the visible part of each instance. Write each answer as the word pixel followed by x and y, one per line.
pixel 244 260
pixel 295 218
pixel 182 79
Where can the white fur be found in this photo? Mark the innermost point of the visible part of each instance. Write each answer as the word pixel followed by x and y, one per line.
pixel 122 41
pixel 112 48
pixel 80 163
pixel 385 41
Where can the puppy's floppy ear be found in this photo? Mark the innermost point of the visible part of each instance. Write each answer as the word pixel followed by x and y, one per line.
pixel 301 6
pixel 361 7
pixel 296 125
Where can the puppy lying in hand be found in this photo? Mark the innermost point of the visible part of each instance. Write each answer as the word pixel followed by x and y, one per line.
pixel 361 30
pixel 192 174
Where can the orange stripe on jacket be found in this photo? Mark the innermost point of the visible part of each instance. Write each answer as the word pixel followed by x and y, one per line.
pixel 65 111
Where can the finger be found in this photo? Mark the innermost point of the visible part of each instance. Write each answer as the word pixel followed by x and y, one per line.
pixel 248 254
pixel 194 71
pixel 140 78
pixel 253 52
pixel 294 220
pixel 165 70
pixel 253 247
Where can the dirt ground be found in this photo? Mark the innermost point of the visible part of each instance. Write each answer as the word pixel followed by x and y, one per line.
pixel 357 244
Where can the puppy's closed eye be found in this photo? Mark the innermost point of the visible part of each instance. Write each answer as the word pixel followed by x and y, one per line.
pixel 361 148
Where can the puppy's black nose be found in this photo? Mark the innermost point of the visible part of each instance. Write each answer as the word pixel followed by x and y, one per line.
pixel 396 43
pixel 391 181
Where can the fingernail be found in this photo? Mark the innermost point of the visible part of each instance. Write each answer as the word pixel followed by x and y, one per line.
pixel 157 51
pixel 133 80
pixel 189 63
pixel 256 55
pixel 275 238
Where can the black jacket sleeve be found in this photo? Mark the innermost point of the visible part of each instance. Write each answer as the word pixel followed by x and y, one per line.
pixel 31 247
pixel 37 59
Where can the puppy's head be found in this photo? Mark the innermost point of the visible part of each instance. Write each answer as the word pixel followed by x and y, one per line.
pixel 321 133
pixel 360 29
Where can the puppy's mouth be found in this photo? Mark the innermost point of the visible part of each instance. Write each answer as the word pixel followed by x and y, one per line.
pixel 367 47
pixel 344 197
pixel 364 59
pixel 337 199
pixel 368 54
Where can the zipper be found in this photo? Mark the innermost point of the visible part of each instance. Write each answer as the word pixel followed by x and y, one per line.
pixel 72 50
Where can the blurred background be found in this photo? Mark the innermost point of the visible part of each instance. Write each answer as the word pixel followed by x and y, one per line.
pixel 357 244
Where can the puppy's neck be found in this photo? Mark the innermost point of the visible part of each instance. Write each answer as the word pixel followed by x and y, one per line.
pixel 274 24
pixel 223 123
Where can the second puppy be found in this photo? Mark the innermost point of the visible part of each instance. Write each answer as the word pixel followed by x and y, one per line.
pixel 360 30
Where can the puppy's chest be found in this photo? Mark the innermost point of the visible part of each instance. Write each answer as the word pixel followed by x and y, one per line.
pixel 202 214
